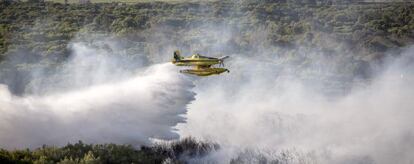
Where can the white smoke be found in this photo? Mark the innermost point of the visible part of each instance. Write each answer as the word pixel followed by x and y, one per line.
pixel 92 62
pixel 253 108
pixel 130 110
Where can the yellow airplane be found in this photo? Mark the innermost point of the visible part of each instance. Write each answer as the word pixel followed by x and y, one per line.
pixel 202 65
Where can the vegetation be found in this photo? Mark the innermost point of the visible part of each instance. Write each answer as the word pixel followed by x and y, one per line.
pixel 47 27
pixel 354 34
pixel 40 32
pixel 109 153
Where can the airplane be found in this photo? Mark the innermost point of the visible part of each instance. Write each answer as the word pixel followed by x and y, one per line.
pixel 202 65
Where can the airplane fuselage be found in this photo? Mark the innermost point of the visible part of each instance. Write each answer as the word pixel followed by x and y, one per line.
pixel 196 62
pixel 201 64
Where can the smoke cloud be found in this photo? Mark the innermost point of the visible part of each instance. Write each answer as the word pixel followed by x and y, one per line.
pixel 262 109
pixel 254 112
pixel 131 109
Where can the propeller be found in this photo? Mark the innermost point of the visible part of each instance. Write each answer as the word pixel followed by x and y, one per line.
pixel 221 63
pixel 221 60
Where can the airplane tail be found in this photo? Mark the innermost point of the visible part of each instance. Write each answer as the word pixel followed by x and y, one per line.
pixel 177 55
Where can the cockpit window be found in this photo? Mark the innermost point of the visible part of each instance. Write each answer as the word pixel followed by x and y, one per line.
pixel 196 56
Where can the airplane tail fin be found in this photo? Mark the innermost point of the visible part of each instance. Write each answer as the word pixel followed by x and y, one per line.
pixel 177 55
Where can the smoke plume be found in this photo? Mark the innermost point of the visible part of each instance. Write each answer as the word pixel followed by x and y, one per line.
pixel 133 109
pixel 313 108
pixel 255 113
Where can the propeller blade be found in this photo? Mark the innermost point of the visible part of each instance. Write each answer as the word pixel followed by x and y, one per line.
pixel 221 63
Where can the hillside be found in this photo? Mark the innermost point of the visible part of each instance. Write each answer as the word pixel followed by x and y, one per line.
pixel 358 33
pixel 99 72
